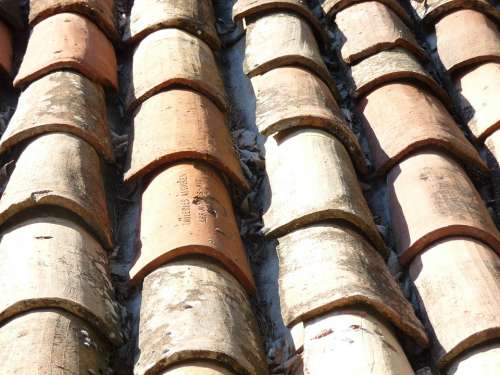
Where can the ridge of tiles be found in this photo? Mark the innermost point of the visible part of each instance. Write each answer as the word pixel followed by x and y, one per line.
pixel 58 307
pixel 328 246
pixel 188 238
pixel 470 56
pixel 442 227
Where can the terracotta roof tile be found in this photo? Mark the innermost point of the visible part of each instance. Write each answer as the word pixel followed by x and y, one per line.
pixel 191 63
pixel 181 124
pixel 479 93
pixel 484 360
pixel 186 209
pixel 62 170
pixel 313 167
pixel 101 12
pixel 194 16
pixel 458 283
pixel 6 50
pixel 47 341
pixel 62 101
pixel 382 29
pixel 50 255
pixel 68 41
pixel 327 267
pixel 459 46
pixel 283 39
pixel 402 118
pixel 431 198
pixel 392 65
pixel 292 97
pixel 332 7
pixel 197 368
pixel 252 8
pixel 430 11
pixel 205 315
pixel 352 342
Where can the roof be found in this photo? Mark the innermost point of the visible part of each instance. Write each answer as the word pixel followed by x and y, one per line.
pixel 250 187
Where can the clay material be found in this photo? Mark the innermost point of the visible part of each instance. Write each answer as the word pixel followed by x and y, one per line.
pixel 315 169
pixel 101 12
pixel 370 27
pixel 464 313
pixel 6 53
pixel 332 7
pixel 51 342
pixel 191 63
pixel 430 11
pixel 392 65
pixel 197 368
pixel 186 209
pixel 401 118
pixel 479 95
pixel 194 310
pixel 484 360
pixel 352 342
pixel 50 262
pixel 432 198
pixel 59 170
pixel 61 102
pixel 327 266
pixel 291 97
pixel 68 41
pixel 194 16
pixel 459 46
pixel 181 124
pixel 254 8
pixel 280 39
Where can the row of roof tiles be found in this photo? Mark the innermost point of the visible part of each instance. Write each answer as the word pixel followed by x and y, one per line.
pixel 330 251
pixel 192 308
pixel 58 303
pixel 435 210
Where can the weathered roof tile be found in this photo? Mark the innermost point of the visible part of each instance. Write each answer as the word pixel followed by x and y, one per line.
pixel 332 7
pixel 352 342
pixel 460 46
pixel 327 267
pixel 484 360
pixel 68 41
pixel 61 170
pixel 254 8
pixel 392 65
pixel 430 11
pixel 479 95
pixel 282 39
pixel 313 167
pixel 194 310
pixel 292 97
pixel 191 63
pixel 432 198
pixel 181 124
pixel 48 341
pixel 101 12
pixel 62 101
pixel 458 283
pixel 186 209
pixel 381 29
pixel 50 262
pixel 401 118
pixel 194 16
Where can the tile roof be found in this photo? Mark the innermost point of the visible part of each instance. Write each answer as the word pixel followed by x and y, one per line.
pixel 250 187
